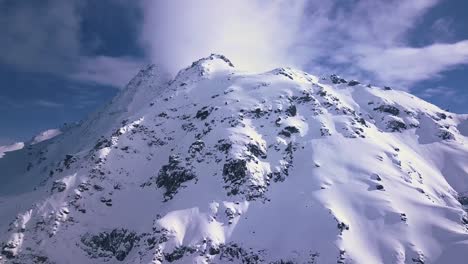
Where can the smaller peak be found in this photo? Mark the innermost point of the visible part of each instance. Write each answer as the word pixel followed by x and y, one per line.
pixel 336 79
pixel 149 73
pixel 149 69
pixel 285 71
pixel 293 74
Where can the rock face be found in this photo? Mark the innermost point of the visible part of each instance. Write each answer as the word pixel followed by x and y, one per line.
pixel 222 166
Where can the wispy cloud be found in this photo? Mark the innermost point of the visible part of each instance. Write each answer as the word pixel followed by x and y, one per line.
pixel 408 65
pixel 365 39
pixel 255 34
pixel 107 70
pixel 47 103
pixel 6 141
pixel 442 30
pixel 446 97
pixel 47 37
pixel 439 91
pixel 39 36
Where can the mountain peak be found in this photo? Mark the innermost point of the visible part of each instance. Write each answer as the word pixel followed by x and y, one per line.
pixel 213 57
pixel 216 167
pixel 206 66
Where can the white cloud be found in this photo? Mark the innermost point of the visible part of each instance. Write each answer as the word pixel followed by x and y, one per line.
pixel 362 39
pixel 365 39
pixel 439 91
pixel 40 36
pixel 47 37
pixel 442 29
pixel 253 34
pixel 105 70
pixel 409 65
pixel 47 103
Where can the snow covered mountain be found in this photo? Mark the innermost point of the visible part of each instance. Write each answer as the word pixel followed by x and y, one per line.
pixel 223 166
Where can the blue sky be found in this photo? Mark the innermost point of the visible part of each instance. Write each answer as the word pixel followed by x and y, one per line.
pixel 61 60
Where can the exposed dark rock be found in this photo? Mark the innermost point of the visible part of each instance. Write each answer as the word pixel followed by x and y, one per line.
pixel 322 93
pixel 362 121
pixel 306 97
pixel 396 125
pixel 214 251
pixel 446 135
pixel 336 79
pixel 388 109
pixel 58 186
pixel 224 146
pixel 178 253
pixel 188 127
pixel 353 83
pixel 103 143
pixel 69 159
pixel 342 257
pixel 203 113
pixel 118 243
pixel 342 226
pixel 465 220
pixel 463 199
pixel 288 131
pixel 258 113
pixel 291 110
pixel 172 176
pixel 256 151
pixel 106 201
pixel 441 115
pixel 235 175
pixel 403 217
pixel 196 147
pixel 324 132
pixel 377 177
pixel 98 187
pixel 280 176
pixel 419 260
pixel 285 73
pixel 232 251
pixel 213 57
pixel 8 250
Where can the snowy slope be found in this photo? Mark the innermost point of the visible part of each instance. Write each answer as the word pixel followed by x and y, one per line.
pixel 223 166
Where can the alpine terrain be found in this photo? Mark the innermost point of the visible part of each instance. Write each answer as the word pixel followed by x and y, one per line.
pixel 222 166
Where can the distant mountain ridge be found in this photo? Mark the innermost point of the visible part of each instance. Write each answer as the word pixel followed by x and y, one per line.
pixel 219 165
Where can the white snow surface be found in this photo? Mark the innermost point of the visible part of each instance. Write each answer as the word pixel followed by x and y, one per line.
pixel 223 166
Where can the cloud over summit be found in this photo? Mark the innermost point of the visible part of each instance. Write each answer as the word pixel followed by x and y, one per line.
pixel 362 39
pixel 365 39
